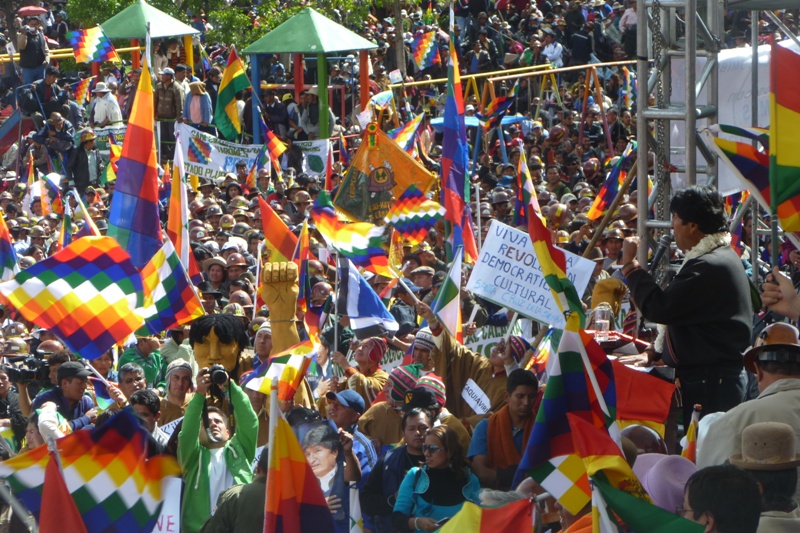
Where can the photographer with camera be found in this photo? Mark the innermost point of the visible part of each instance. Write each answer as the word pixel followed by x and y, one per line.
pixel 212 460
pixel 33 52
pixel 69 396
pixel 10 413
pixel 37 375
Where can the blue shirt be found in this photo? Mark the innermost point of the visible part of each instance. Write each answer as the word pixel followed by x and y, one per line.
pixel 363 450
pixel 75 415
pixel 479 445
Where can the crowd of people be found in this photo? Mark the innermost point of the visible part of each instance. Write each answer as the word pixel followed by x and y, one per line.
pixel 386 413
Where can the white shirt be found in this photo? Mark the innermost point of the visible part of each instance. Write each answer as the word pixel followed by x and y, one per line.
pixel 628 19
pixel 553 52
pixel 106 107
pixel 219 478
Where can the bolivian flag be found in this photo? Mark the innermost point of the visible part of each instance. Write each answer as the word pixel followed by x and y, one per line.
pixel 784 137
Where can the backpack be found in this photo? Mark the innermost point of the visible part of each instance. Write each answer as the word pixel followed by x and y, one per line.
pixel 27 100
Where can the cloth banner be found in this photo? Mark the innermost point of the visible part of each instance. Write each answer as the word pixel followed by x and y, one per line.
pixel 316 155
pixel 207 156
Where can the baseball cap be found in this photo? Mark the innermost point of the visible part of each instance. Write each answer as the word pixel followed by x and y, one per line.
pixel 347 398
pixel 72 369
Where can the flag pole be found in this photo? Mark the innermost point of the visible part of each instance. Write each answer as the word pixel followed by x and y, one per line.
pixel 511 324
pixel 336 370
pixel 94 371
pixel 258 274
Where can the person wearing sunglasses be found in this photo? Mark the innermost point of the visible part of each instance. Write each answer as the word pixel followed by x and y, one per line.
pixel 436 491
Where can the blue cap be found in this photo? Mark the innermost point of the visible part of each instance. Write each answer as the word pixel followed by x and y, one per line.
pixel 348 398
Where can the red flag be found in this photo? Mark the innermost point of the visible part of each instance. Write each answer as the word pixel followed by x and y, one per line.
pixel 55 495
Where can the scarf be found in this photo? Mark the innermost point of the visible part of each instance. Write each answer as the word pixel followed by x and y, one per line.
pixel 502 450
pixel 707 244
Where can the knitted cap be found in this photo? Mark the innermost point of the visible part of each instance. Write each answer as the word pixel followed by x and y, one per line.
pixel 266 326
pixel 403 378
pixel 378 348
pixel 424 339
pixel 179 364
pixel 434 383
pixel 518 347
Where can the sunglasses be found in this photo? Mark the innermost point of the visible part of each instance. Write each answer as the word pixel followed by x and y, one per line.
pixel 431 449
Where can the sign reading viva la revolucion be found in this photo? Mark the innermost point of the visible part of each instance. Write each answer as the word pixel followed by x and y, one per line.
pixel 508 274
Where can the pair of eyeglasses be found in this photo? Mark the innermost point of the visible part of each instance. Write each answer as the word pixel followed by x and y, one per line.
pixel 680 511
pixel 431 449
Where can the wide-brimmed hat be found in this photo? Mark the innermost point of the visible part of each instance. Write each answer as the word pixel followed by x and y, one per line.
pixel 779 342
pixel 767 446
pixel 664 477
pixel 101 87
pixel 214 261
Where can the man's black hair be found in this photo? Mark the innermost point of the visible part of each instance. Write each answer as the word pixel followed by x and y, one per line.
pixel 60 357
pixel 777 489
pixel 148 398
pixel 417 411
pixel 521 378
pixel 129 368
pixel 52 71
pixel 227 327
pixel 727 494
pixel 702 205
pixel 322 435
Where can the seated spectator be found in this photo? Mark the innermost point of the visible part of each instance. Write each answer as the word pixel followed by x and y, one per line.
pixel 379 493
pixel 439 488
pixel 768 454
pixel 147 406
pixel 69 397
pixel 724 499
pixel 180 384
pixel 499 441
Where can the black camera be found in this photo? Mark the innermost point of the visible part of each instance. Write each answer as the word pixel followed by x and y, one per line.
pixel 218 374
pixel 28 370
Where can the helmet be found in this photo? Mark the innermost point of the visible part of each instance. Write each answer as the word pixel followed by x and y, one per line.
pixel 198 235
pixel 614 234
pixel 500 197
pixel 15 329
pixel 15 346
pixel 226 222
pixel 240 202
pixel 214 210
pixel 6 196
pixel 591 167
pixel 777 342
pixel 37 232
pixel 26 261
pixel 240 229
pixel 49 346
pixel 535 162
pixel 233 309
pixel 241 298
pixel 11 224
pixel 196 207
pixel 557 134
pixel 23 222
pixel 88 135
pixel 240 213
pixel 236 260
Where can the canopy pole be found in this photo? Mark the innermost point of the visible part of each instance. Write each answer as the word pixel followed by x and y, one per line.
pixel 299 82
pixel 255 75
pixel 189 47
pixel 363 73
pixel 136 55
pixel 322 85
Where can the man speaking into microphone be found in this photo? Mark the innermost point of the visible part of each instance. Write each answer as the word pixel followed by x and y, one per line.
pixel 705 314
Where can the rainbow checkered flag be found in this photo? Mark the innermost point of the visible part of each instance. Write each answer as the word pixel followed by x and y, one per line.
pixel 87 295
pixel 91 46
pixel 8 257
pixel 81 90
pixel 425 50
pixel 170 299
pixel 115 487
pixel 413 215
pixel 405 135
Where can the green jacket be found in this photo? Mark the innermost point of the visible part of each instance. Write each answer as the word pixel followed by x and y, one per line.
pixel 240 452
pixel 240 508
pixel 153 365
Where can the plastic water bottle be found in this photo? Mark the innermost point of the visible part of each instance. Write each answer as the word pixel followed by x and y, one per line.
pixel 602 322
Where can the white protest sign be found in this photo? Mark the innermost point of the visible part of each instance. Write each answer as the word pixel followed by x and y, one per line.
pixel 476 398
pixel 169 429
pixel 316 155
pixel 508 274
pixel 169 521
pixel 207 156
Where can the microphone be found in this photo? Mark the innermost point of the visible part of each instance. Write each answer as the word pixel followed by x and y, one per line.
pixel 663 246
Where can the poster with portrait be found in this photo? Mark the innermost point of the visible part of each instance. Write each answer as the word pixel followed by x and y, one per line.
pixel 325 456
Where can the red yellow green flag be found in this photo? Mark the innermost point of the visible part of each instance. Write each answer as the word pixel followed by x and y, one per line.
pixel 226 114
pixel 280 242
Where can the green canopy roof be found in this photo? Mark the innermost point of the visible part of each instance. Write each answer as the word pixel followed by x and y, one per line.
pixel 309 32
pixel 131 23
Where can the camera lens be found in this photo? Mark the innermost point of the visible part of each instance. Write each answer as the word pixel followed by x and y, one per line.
pixel 218 375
